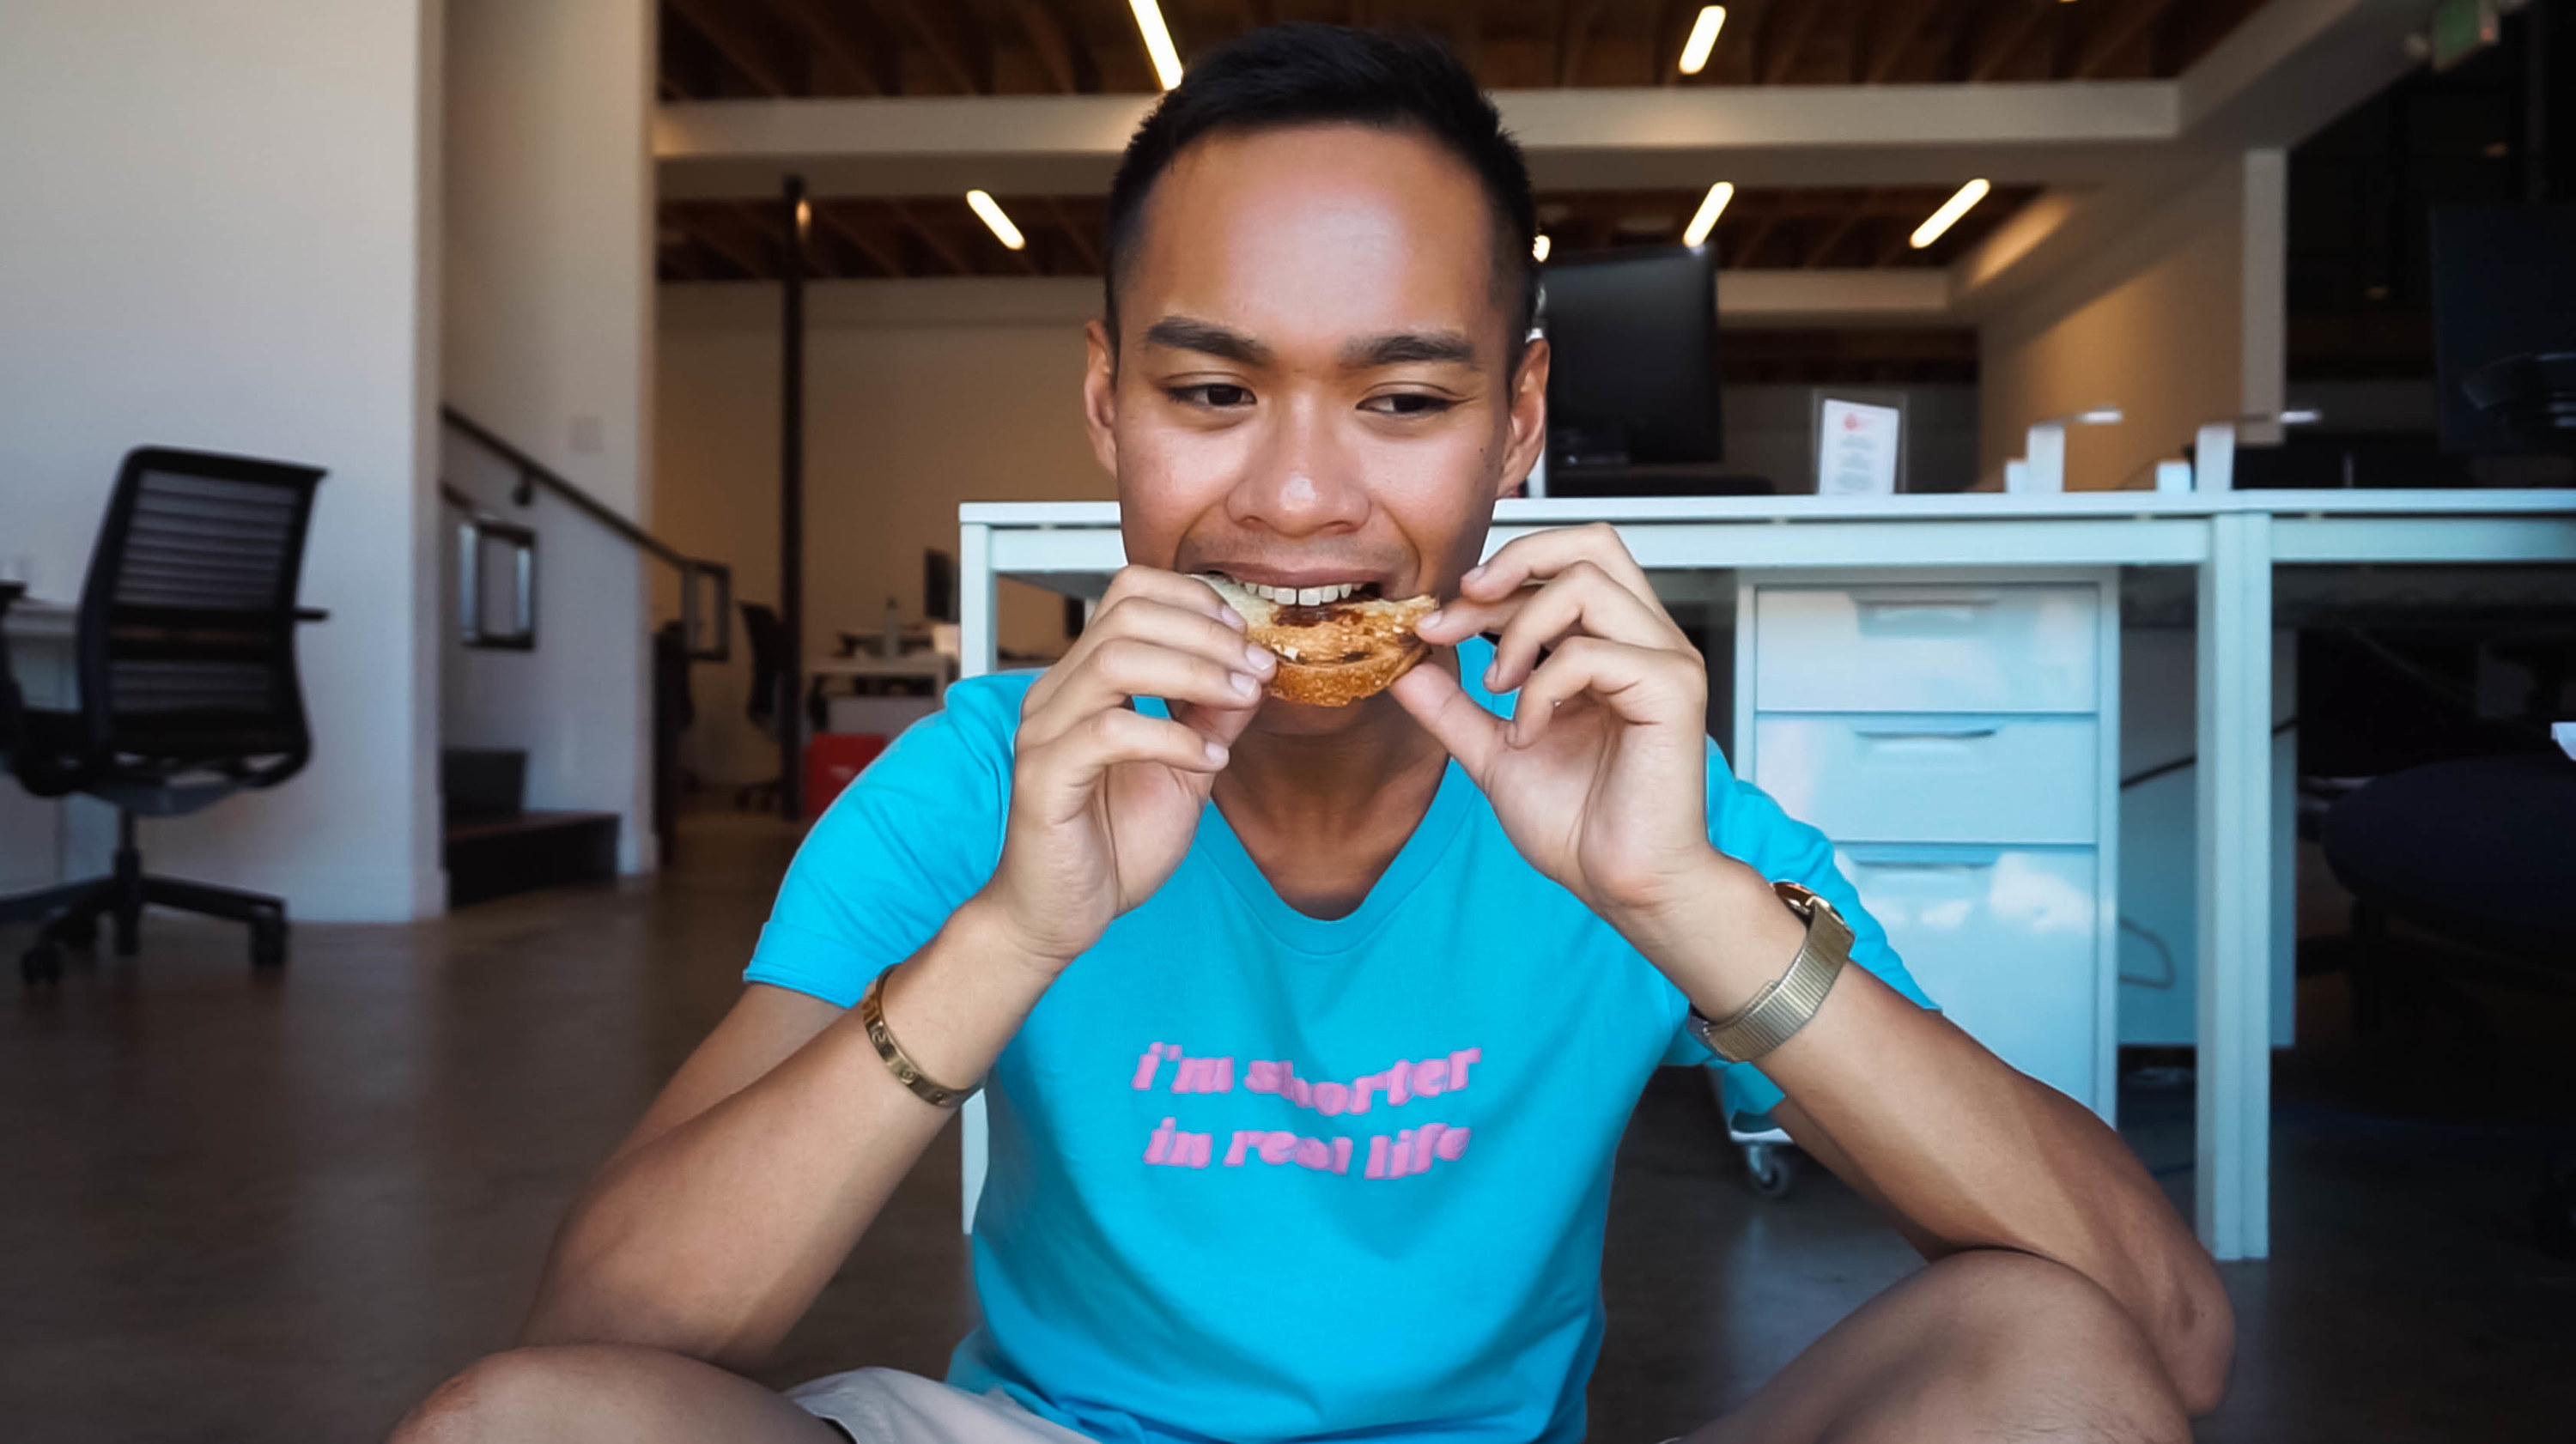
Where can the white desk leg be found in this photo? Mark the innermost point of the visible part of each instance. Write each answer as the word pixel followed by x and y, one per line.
pixel 2234 1115
pixel 979 647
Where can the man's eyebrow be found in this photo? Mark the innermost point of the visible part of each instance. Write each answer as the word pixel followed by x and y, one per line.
pixel 1398 348
pixel 1180 333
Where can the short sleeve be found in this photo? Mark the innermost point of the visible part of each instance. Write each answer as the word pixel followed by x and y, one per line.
pixel 907 841
pixel 1746 824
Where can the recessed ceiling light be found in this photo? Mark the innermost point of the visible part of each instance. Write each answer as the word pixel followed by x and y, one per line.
pixel 1703 38
pixel 1539 248
pixel 990 210
pixel 1158 41
pixel 1948 216
pixel 1711 207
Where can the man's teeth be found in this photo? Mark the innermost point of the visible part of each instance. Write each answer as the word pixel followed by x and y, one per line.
pixel 1302 596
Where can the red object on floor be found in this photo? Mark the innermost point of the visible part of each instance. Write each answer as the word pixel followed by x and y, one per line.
pixel 831 760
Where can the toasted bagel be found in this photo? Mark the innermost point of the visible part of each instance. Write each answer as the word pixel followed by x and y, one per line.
pixel 1335 653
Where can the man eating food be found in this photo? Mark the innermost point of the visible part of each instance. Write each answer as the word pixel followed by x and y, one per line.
pixel 1310 1009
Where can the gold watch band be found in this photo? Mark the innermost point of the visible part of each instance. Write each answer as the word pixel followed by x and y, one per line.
pixel 1786 1003
pixel 906 1072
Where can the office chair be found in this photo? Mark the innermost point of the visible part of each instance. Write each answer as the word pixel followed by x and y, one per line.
pixel 188 688
pixel 767 710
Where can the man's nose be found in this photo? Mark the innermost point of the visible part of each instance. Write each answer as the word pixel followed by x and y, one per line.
pixel 1302 482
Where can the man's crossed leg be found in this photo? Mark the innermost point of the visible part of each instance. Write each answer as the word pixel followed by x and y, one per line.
pixel 1981 1346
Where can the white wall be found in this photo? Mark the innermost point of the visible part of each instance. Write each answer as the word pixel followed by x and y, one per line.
pixel 2178 325
pixel 919 395
pixel 547 307
pixel 216 235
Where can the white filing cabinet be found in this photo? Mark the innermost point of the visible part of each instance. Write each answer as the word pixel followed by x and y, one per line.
pixel 1955 735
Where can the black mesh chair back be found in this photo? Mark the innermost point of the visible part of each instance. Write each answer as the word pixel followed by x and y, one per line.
pixel 187 625
pixel 768 637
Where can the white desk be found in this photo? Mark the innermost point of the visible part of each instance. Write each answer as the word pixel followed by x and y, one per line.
pixel 2232 541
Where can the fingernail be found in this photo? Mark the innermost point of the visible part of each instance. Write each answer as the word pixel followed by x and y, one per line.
pixel 1261 659
pixel 1474 572
pixel 1216 753
pixel 1243 686
pixel 1432 620
pixel 1493 674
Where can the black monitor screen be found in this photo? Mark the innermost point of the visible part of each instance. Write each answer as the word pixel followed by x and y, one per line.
pixel 938 586
pixel 2504 285
pixel 1633 375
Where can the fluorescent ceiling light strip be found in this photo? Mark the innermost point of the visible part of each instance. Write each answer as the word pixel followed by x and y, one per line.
pixel 1158 41
pixel 1703 38
pixel 1951 209
pixel 991 211
pixel 1711 207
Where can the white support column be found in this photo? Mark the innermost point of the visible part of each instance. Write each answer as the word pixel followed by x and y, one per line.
pixel 2262 366
pixel 979 649
pixel 2234 1115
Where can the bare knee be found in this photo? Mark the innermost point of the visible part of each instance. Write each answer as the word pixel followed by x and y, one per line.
pixel 500 1397
pixel 2044 1353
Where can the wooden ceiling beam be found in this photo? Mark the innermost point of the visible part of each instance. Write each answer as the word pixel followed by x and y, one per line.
pixel 1899 38
pixel 1574 38
pixel 1784 35
pixel 718 228
pixel 835 218
pixel 853 38
pixel 1673 20
pixel 1823 249
pixel 722 27
pixel 950 33
pixel 2113 34
pixel 1759 232
pixel 1081 238
pixel 954 259
pixel 2003 40
pixel 1057 39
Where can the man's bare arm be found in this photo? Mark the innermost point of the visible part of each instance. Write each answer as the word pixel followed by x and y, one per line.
pixel 712 1228
pixel 717 1221
pixel 1966 1153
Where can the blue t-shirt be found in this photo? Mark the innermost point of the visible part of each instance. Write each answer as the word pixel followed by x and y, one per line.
pixel 1256 1175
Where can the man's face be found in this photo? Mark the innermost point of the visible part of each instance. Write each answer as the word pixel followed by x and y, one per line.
pixel 1316 382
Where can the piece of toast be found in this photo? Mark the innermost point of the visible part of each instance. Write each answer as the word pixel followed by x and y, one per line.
pixel 1336 653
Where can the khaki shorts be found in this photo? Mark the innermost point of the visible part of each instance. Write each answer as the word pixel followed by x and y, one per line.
pixel 889 1406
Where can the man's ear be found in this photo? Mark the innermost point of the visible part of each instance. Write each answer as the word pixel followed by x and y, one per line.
pixel 1526 438
pixel 1100 394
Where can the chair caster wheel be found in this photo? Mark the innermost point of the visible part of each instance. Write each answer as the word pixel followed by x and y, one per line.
pixel 268 944
pixel 77 932
pixel 41 964
pixel 1771 1169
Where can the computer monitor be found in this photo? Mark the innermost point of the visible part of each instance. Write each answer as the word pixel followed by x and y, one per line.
pixel 2504 327
pixel 938 586
pixel 1633 375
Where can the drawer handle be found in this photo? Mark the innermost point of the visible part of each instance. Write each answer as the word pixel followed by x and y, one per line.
pixel 1924 858
pixel 1927 597
pixel 1926 729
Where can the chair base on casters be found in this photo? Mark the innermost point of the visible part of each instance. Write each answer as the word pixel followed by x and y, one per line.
pixel 72 914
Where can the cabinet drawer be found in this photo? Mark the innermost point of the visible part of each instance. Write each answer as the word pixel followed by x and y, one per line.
pixel 1883 777
pixel 1941 648
pixel 2004 940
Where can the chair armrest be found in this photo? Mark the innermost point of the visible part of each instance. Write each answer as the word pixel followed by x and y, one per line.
pixel 312 614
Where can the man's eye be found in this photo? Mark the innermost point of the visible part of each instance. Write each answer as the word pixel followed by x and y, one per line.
pixel 1213 393
pixel 1407 403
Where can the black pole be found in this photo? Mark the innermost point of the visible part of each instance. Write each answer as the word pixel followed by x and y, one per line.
pixel 791 500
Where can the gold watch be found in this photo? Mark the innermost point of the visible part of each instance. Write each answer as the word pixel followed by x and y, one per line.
pixel 1786 1003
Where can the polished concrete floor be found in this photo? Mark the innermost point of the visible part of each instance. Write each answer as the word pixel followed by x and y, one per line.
pixel 241 1208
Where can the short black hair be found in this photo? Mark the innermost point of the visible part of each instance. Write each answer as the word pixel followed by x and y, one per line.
pixel 1304 73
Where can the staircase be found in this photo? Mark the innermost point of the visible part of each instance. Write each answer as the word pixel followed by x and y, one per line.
pixel 496 847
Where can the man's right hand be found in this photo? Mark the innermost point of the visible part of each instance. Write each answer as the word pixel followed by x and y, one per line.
pixel 1105 800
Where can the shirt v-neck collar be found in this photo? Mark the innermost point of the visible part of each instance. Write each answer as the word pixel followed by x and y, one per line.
pixel 1422 851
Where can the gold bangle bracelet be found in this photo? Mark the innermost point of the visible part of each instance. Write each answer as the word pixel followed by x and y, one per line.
pixel 908 1073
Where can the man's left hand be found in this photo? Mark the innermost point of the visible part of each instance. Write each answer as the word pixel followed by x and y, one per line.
pixel 1600 777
